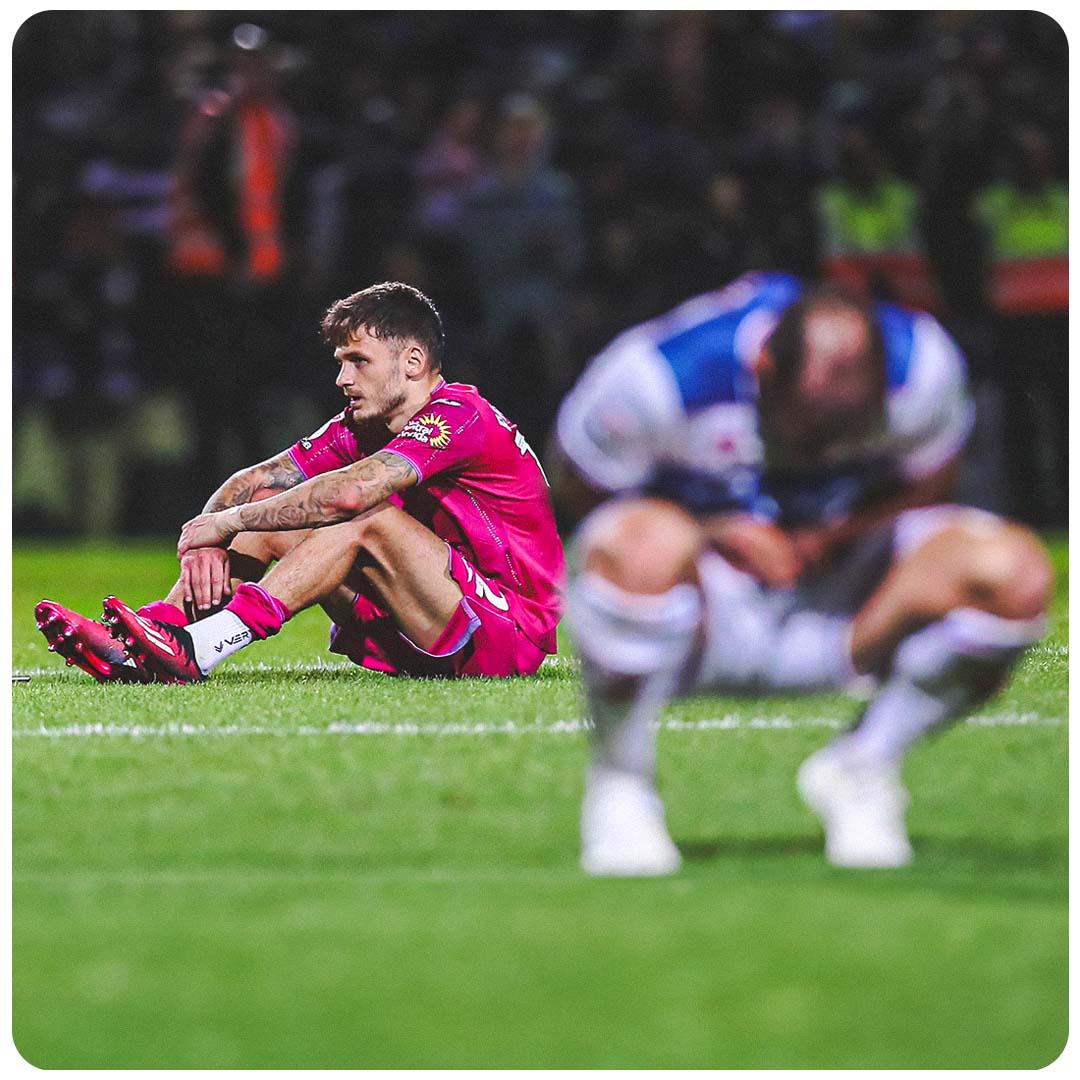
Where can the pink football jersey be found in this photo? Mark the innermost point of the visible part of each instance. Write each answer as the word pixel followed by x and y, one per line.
pixel 481 489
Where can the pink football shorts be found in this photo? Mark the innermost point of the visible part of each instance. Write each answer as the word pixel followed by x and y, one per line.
pixel 482 637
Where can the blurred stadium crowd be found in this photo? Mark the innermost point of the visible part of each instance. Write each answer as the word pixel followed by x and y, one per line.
pixel 192 191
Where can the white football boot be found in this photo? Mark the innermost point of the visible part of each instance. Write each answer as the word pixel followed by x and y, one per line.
pixel 861 807
pixel 623 833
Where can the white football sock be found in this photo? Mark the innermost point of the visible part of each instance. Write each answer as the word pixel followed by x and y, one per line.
pixel 218 637
pixel 939 673
pixel 633 648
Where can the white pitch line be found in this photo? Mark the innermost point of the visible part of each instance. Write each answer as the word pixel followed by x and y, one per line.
pixel 287 667
pixel 729 722
pixel 569 662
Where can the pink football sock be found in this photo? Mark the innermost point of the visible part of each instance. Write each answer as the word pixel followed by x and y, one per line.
pixel 263 614
pixel 163 611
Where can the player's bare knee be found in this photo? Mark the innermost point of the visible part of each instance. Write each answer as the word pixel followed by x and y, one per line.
pixel 372 529
pixel 265 547
pixel 254 546
pixel 642 545
pixel 1011 574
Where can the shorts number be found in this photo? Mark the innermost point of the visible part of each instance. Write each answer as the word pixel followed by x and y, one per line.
pixel 485 592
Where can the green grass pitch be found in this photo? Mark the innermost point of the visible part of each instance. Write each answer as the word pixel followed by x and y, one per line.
pixel 300 865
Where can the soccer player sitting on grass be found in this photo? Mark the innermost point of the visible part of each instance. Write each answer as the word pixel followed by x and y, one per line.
pixel 781 461
pixel 418 518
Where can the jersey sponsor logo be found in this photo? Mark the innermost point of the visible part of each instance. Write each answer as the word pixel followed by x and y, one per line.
pixel 430 429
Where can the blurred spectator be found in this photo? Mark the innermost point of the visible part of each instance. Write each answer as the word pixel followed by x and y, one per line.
pixel 956 115
pixel 673 151
pixel 377 188
pixel 229 254
pixel 870 226
pixel 1026 219
pixel 450 165
pixel 522 229
pixel 775 161
pixel 685 64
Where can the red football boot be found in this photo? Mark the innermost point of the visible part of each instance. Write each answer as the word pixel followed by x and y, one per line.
pixel 86 644
pixel 160 648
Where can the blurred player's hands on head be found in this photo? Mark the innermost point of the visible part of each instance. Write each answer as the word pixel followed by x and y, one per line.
pixel 758 548
pixel 821 379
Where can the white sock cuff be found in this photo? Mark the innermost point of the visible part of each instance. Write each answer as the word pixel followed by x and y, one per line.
pixel 972 632
pixel 217 637
pixel 632 633
pixel 965 633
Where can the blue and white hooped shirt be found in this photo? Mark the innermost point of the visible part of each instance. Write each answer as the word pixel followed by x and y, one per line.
pixel 669 407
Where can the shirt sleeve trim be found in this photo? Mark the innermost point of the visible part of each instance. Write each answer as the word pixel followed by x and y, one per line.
pixel 296 462
pixel 411 461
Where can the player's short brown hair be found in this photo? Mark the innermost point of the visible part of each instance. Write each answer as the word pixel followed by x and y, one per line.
pixel 388 310
pixel 787 341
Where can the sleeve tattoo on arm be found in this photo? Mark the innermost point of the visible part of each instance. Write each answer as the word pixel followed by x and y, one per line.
pixel 279 474
pixel 333 496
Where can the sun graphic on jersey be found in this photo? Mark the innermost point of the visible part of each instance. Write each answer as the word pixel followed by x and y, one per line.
pixel 435 431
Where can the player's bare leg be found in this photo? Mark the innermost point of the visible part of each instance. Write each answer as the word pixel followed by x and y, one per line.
pixel 988 565
pixel 634 611
pixel 942 632
pixel 405 562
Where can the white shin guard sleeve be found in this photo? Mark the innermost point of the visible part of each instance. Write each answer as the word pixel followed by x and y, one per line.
pixel 218 637
pixel 631 633
pixel 633 648
pixel 939 673
pixel 965 634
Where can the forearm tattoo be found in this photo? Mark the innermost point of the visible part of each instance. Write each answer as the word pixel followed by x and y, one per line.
pixel 279 474
pixel 332 497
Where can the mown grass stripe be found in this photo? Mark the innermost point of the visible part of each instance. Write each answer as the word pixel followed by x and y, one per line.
pixel 728 722
pixel 570 663
pixel 223 876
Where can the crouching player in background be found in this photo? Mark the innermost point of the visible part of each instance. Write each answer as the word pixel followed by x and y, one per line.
pixel 418 518
pixel 780 461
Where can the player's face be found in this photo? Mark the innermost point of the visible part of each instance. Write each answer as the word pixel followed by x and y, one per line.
pixel 371 374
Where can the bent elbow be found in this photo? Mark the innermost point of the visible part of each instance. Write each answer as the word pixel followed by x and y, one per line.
pixel 345 506
pixel 347 503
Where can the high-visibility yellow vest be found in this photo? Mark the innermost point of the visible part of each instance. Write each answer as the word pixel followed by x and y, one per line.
pixel 1024 225
pixel 869 222
pixel 1029 245
pixel 870 236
